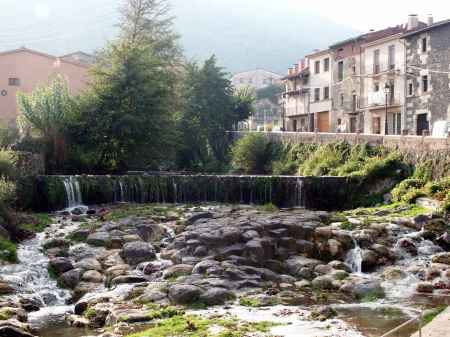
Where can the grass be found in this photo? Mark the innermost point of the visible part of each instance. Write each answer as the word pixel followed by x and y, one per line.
pixel 430 315
pixel 8 251
pixel 372 296
pixel 270 208
pixel 128 210
pixel 251 302
pixel 38 223
pixel 181 325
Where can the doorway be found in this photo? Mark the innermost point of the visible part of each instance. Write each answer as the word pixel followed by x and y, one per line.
pixel 323 121
pixel 376 125
pixel 422 124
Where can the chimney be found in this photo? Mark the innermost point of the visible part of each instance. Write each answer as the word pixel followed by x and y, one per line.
pixel 430 19
pixel 413 21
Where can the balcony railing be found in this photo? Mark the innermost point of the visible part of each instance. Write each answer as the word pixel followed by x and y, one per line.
pixel 377 99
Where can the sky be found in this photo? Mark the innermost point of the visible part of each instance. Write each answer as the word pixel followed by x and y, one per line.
pixel 243 34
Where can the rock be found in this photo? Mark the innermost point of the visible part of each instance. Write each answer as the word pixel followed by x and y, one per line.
pixel 70 279
pixel 89 264
pixel 60 265
pixel 77 211
pixel 335 248
pixel 184 293
pixel 178 270
pixel 443 258
pixel 92 276
pixel 432 273
pixel 31 304
pixel 91 212
pixel 425 287
pixel 150 232
pixel 5 288
pixel 99 239
pixel 420 220
pixel 323 282
pixel 436 226
pixel 198 216
pixel 216 296
pixel 339 265
pixel 363 289
pixel 136 252
pixel 128 279
pixel 78 321
pixel 56 243
pixel 302 284
pixel 79 235
pixel 152 295
pixel 295 264
pixel 82 289
pixel 4 234
pixel 408 246
pixel 323 269
pixel 393 274
pixel 339 275
pixel 14 328
pixel 369 260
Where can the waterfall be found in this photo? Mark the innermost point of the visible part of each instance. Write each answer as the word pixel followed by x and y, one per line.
pixel 73 192
pixel 354 257
pixel 299 193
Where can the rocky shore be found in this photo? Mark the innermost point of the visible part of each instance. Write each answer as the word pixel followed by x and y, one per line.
pixel 123 268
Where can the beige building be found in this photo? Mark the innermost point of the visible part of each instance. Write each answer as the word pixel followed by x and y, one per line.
pixel 24 69
pixel 256 79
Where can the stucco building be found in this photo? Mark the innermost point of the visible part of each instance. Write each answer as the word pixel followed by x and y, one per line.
pixel 24 69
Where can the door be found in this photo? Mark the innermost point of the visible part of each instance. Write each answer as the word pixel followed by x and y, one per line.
pixel 294 125
pixel 353 121
pixel 422 124
pixel 323 121
pixel 376 125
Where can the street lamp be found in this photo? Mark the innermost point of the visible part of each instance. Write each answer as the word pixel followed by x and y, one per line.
pixel 387 90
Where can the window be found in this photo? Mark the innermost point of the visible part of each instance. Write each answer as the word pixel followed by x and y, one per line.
pixel 354 102
pixel 397 123
pixel 342 100
pixel 410 88
pixel 376 87
pixel 376 61
pixel 316 94
pixel 424 45
pixel 341 71
pixel 326 64
pixel 354 69
pixel 391 57
pixel 425 83
pixel 326 93
pixel 317 67
pixel 14 82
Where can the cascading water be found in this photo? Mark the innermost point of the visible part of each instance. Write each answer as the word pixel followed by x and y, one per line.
pixel 73 192
pixel 299 193
pixel 354 257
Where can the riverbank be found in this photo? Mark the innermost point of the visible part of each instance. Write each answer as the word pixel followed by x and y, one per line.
pixel 152 269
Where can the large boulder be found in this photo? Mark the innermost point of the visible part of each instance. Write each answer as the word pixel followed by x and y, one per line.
pixel 13 328
pixel 177 270
pixel 92 276
pixel 296 263
pixel 216 296
pixel 150 232
pixel 60 265
pixel 99 239
pixel 89 264
pixel 443 258
pixel 6 288
pixel 71 278
pixel 323 282
pixel 136 252
pixel 184 293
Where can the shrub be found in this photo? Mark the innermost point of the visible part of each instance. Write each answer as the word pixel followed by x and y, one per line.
pixel 7 166
pixel 326 160
pixel 403 188
pixel 291 157
pixel 252 154
pixel 412 195
pixel 8 251
pixel 438 189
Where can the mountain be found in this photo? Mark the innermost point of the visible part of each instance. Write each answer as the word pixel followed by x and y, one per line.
pixel 242 34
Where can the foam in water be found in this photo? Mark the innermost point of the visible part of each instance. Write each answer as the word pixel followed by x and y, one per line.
pixel 354 257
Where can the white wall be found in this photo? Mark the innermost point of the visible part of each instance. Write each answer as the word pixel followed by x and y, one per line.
pixel 321 80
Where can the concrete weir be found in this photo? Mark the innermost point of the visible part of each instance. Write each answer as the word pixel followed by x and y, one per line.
pixel 49 193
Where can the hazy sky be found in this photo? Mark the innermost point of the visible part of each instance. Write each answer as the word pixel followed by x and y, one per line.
pixel 243 33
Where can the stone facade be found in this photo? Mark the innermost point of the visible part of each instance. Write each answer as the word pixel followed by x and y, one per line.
pixel 256 79
pixel 428 81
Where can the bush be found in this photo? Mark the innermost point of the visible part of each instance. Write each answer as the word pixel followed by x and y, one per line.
pixel 8 251
pixel 7 191
pixel 7 166
pixel 326 160
pixel 403 188
pixel 412 195
pixel 291 157
pixel 252 154
pixel 438 189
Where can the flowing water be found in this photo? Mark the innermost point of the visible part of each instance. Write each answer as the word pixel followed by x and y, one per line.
pixel 73 192
pixel 354 257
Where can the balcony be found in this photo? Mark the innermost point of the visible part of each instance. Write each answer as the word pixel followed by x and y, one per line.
pixel 378 99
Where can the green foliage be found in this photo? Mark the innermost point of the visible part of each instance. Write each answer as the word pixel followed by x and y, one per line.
pixel 291 156
pixel 270 208
pixel 6 313
pixel 8 193
pixel 37 223
pixel 403 188
pixel 8 251
pixel 252 154
pixel 424 171
pixel 165 312
pixel 211 108
pixel 438 189
pixel 46 113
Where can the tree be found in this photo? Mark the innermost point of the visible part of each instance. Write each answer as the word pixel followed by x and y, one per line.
pixel 211 109
pixel 130 116
pixel 46 113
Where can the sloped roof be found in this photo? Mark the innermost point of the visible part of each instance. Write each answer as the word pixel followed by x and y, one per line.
pixel 427 28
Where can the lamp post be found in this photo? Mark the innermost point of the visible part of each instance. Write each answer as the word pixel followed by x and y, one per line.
pixel 387 90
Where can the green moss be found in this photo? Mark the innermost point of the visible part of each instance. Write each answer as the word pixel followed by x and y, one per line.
pixel 8 251
pixel 90 313
pixel 165 312
pixel 270 208
pixel 430 315
pixel 39 221
pixel 372 296
pixel 6 313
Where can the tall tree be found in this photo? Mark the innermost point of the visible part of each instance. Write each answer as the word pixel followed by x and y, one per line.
pixel 130 120
pixel 211 109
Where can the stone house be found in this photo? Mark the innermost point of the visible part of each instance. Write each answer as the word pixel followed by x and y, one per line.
pixel 256 79
pixel 428 78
